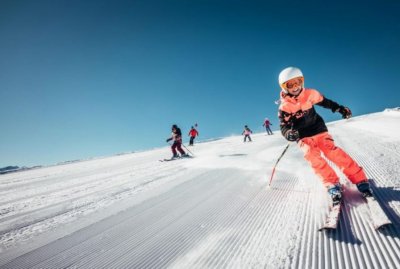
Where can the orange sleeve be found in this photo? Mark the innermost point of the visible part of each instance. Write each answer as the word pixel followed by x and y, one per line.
pixel 315 96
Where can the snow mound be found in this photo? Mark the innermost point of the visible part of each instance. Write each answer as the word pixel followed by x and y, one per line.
pixel 395 109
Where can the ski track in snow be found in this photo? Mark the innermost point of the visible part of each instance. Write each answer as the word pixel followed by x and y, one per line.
pixel 213 211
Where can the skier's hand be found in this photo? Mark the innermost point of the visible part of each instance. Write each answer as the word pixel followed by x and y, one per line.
pixel 169 139
pixel 345 111
pixel 292 135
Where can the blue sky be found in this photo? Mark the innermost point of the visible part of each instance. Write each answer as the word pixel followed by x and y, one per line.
pixel 81 79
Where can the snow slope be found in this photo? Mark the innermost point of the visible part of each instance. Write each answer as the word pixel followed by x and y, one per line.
pixel 212 211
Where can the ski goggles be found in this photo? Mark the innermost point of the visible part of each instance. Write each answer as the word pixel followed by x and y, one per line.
pixel 293 82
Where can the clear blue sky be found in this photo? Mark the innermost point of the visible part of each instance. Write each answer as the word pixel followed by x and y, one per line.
pixel 81 79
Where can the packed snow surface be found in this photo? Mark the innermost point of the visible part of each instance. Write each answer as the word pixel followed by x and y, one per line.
pixel 215 210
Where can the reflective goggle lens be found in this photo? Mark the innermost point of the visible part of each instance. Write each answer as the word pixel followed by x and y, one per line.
pixel 291 84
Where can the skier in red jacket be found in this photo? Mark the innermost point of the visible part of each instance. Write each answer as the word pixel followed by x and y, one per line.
pixel 300 122
pixel 266 124
pixel 192 133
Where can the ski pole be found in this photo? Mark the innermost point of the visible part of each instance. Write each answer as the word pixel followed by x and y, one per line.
pixel 187 149
pixel 273 170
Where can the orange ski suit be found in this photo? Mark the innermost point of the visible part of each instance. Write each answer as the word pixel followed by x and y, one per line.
pixel 298 113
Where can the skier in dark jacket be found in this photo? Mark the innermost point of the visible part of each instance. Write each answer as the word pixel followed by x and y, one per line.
pixel 176 137
pixel 300 122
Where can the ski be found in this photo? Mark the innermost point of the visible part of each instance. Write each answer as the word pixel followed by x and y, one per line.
pixel 177 158
pixel 379 217
pixel 168 160
pixel 332 219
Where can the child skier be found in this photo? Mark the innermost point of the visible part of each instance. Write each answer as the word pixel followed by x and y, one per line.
pixel 266 124
pixel 300 122
pixel 176 137
pixel 246 132
pixel 192 133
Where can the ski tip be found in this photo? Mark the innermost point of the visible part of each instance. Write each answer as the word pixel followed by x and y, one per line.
pixel 383 226
pixel 326 228
pixel 166 160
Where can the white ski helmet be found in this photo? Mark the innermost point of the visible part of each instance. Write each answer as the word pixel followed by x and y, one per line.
pixel 288 74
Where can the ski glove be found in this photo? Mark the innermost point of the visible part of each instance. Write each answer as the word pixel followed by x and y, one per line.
pixel 169 139
pixel 345 111
pixel 292 135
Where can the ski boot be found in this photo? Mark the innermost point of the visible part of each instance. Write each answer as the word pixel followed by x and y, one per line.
pixel 185 155
pixel 365 189
pixel 175 156
pixel 336 194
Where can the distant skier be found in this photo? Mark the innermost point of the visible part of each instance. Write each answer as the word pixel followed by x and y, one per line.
pixel 176 137
pixel 300 122
pixel 266 124
pixel 192 133
pixel 247 132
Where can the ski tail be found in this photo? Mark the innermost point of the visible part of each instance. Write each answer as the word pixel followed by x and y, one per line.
pixel 378 215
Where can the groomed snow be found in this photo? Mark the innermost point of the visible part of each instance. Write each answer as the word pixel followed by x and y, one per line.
pixel 212 211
